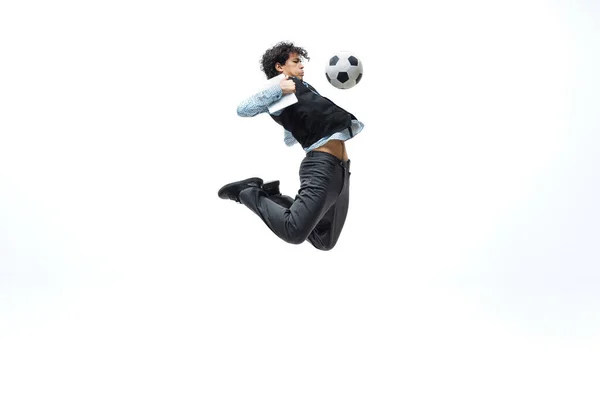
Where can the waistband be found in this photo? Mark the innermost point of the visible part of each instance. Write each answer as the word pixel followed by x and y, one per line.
pixel 322 154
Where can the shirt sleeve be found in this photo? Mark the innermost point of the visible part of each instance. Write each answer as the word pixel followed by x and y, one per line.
pixel 259 102
pixel 288 138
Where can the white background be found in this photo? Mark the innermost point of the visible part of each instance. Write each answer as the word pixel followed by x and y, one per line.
pixel 468 265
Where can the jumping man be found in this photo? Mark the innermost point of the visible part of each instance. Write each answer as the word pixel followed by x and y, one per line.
pixel 319 209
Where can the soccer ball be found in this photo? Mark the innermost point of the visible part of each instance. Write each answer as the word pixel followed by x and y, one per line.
pixel 344 70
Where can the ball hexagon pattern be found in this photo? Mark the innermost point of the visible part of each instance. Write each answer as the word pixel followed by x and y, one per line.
pixel 344 70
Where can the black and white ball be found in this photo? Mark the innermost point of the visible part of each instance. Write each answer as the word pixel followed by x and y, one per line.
pixel 344 70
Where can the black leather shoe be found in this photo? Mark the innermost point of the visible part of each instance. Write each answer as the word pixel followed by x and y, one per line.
pixel 271 187
pixel 232 190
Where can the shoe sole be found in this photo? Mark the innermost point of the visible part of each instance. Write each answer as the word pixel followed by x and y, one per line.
pixel 249 181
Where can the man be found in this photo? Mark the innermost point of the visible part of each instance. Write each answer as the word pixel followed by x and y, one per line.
pixel 319 210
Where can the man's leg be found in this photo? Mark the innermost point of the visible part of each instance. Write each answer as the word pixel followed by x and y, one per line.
pixel 328 230
pixel 282 200
pixel 321 179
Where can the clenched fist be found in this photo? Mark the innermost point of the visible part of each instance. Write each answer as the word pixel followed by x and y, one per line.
pixel 287 86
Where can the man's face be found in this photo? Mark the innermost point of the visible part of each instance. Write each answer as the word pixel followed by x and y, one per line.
pixel 292 67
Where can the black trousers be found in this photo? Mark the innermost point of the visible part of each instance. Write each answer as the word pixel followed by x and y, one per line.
pixel 318 211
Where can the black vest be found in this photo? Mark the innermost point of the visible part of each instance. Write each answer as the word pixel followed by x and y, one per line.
pixel 313 117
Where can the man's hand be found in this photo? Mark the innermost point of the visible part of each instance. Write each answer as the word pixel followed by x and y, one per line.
pixel 287 86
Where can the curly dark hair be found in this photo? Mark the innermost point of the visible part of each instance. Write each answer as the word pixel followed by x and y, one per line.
pixel 279 54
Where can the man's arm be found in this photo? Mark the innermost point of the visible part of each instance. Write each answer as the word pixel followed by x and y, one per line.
pixel 259 102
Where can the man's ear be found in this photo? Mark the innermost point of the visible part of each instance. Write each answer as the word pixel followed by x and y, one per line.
pixel 278 67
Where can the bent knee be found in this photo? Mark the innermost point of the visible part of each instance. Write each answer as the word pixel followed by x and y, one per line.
pixel 295 240
pixel 297 236
pixel 296 233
